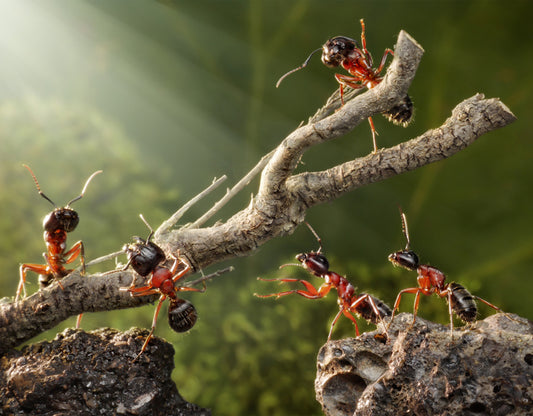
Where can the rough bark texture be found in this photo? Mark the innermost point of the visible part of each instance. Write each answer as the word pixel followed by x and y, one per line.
pixel 487 369
pixel 84 374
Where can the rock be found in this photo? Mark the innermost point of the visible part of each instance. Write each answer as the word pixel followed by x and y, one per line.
pixel 92 373
pixel 487 369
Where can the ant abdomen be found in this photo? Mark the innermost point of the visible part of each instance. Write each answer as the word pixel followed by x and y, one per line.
pixel 182 315
pixel 402 113
pixel 462 302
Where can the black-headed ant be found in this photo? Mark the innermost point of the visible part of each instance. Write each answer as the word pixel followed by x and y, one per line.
pixel 432 280
pixel 364 305
pixel 345 52
pixel 56 226
pixel 146 258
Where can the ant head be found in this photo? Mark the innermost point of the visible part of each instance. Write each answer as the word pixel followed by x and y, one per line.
pixel 407 259
pixel 144 256
pixel 336 50
pixel 316 263
pixel 182 315
pixel 65 219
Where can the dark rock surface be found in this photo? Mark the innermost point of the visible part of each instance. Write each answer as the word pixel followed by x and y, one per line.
pixel 92 373
pixel 487 369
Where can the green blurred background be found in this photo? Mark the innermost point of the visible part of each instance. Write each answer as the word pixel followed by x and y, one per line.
pixel 165 95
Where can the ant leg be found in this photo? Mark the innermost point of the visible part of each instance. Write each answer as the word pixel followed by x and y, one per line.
pixel 347 81
pixel 415 307
pixel 333 323
pixel 348 315
pixel 177 261
pixel 352 318
pixel 363 43
pixel 24 268
pixel 450 311
pixel 76 251
pixel 310 293
pixel 397 302
pixel 374 309
pixel 341 92
pixel 494 307
pixel 383 59
pixel 154 321
pixel 139 291
pixel 374 134
pixel 78 321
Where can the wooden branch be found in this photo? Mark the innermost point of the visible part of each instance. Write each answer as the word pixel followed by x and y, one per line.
pixel 282 198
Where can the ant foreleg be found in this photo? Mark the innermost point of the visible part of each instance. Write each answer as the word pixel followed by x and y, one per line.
pixel 363 43
pixel 76 251
pixel 310 293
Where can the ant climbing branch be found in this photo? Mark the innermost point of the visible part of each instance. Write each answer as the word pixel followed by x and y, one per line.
pixel 282 198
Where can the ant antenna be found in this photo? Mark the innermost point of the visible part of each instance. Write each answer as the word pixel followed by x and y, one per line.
pixel 316 236
pixel 405 229
pixel 38 187
pixel 297 69
pixel 149 227
pixel 84 188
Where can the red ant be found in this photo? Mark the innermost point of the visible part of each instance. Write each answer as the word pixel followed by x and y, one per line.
pixel 364 305
pixel 432 280
pixel 56 226
pixel 345 52
pixel 145 257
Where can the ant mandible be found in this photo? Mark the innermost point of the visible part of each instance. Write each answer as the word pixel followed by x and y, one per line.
pixel 145 257
pixel 56 226
pixel 364 305
pixel 345 52
pixel 432 280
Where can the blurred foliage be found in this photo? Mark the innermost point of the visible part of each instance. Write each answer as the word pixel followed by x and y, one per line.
pixel 163 96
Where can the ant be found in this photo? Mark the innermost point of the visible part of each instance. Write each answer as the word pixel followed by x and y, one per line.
pixel 364 305
pixel 56 226
pixel 432 280
pixel 145 257
pixel 345 52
